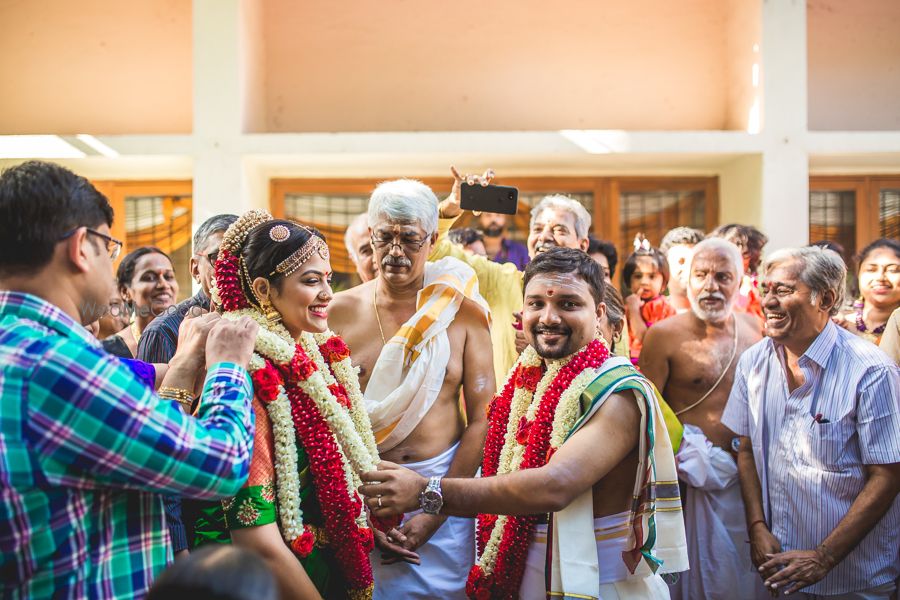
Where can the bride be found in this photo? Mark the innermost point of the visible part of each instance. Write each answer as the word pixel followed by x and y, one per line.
pixel 299 508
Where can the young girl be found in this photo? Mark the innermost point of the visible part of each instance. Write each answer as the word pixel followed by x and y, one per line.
pixel 645 276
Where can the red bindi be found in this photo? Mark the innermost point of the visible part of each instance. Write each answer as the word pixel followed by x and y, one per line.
pixel 549 292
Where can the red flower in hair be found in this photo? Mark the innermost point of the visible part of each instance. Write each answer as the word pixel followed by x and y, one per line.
pixel 266 382
pixel 334 349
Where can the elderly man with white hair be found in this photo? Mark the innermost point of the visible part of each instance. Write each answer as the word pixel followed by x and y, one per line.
pixel 359 248
pixel 691 358
pixel 419 332
pixel 818 412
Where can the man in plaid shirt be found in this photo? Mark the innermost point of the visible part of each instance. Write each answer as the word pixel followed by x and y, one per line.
pixel 85 447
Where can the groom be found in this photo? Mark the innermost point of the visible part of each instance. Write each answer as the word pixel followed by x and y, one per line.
pixel 613 508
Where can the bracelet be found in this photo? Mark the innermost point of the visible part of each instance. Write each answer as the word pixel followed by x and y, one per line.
pixel 756 522
pixel 183 397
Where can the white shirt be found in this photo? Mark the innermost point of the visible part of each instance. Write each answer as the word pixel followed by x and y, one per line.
pixel 811 470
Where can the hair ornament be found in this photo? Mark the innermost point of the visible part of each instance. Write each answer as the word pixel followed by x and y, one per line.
pixel 279 233
pixel 314 245
pixel 641 243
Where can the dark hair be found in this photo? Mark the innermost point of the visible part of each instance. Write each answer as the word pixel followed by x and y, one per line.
pixel 754 240
pixel 125 272
pixel 216 572
pixel 607 249
pixel 465 236
pixel 210 226
pixel 568 260
pixel 631 263
pixel 261 254
pixel 889 243
pixel 615 310
pixel 680 235
pixel 40 202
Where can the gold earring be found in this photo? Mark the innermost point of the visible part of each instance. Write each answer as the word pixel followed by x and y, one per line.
pixel 272 316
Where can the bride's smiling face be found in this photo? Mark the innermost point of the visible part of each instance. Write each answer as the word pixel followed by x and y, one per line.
pixel 302 298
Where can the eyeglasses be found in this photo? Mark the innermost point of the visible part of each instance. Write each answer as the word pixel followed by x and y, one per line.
pixel 408 244
pixel 113 250
pixel 212 257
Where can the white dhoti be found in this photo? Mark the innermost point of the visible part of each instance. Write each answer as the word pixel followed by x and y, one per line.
pixel 715 525
pixel 611 534
pixel 446 557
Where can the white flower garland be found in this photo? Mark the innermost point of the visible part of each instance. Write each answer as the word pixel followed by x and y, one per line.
pixel 351 428
pixel 526 404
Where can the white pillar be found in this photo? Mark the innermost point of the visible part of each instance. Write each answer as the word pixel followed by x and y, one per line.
pixel 785 165
pixel 218 165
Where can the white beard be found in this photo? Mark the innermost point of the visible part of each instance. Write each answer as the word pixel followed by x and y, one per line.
pixel 711 316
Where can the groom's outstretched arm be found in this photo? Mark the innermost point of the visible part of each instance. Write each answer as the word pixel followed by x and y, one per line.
pixel 575 468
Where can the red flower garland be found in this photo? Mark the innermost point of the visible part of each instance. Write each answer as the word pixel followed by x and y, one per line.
pixel 506 578
pixel 350 544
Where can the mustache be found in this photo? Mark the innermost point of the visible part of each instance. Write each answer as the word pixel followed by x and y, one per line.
pixel 395 261
pixel 544 246
pixel 543 329
pixel 712 295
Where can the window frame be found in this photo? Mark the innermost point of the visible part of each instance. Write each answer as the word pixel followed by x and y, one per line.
pixel 867 189
pixel 606 191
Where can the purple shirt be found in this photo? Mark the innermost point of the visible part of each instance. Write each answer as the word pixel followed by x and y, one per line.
pixel 512 252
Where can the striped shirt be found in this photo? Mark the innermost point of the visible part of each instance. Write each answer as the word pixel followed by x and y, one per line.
pixel 811 445
pixel 85 449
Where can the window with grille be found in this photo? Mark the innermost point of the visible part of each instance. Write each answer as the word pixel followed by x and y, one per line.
pixel 653 213
pixel 619 207
pixel 330 214
pixel 164 222
pixel 854 210
pixel 889 213
pixel 832 217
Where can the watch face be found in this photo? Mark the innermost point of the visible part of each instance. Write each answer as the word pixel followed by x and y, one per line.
pixel 432 502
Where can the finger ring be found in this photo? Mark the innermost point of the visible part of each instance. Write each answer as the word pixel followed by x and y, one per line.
pixel 379 501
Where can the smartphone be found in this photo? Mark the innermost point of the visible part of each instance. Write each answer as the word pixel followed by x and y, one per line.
pixel 492 198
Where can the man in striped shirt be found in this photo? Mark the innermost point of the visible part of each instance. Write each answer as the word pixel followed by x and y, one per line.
pixel 85 446
pixel 819 462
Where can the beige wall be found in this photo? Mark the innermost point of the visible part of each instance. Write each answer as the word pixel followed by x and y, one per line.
pixel 854 64
pixel 404 65
pixel 743 79
pixel 95 66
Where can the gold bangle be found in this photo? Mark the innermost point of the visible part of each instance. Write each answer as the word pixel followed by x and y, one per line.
pixel 172 393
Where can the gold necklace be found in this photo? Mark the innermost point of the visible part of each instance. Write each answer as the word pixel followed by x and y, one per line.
pixel 375 306
pixel 135 331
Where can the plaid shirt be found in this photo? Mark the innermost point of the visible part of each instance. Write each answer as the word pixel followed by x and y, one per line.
pixel 85 449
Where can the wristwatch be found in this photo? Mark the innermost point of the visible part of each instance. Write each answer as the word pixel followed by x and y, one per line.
pixel 430 500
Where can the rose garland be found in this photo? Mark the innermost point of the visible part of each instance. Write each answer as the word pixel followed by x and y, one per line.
pixel 300 402
pixel 311 393
pixel 528 422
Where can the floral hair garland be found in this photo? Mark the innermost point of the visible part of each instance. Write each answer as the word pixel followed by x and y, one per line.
pixel 527 422
pixel 311 393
